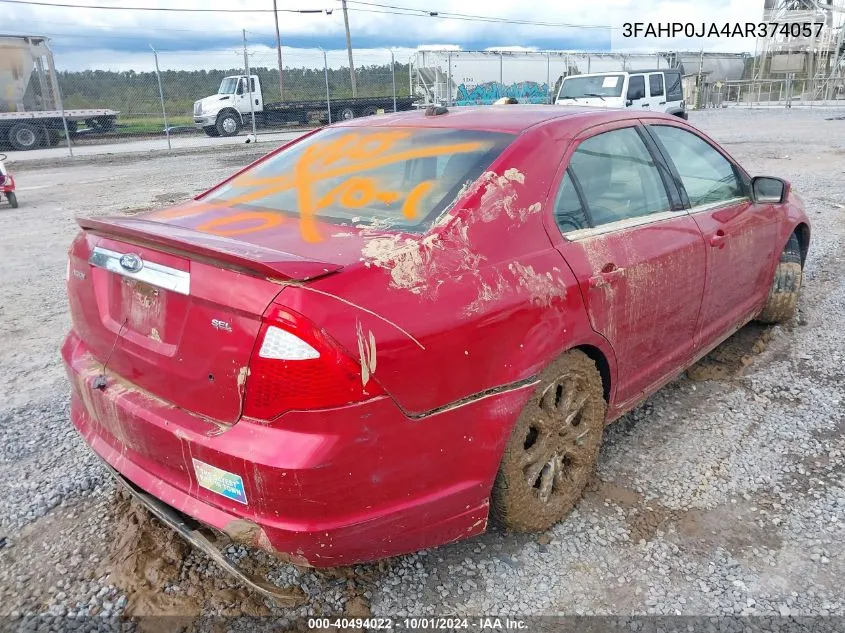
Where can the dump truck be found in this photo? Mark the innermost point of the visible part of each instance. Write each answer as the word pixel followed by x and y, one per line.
pixel 228 111
pixel 30 105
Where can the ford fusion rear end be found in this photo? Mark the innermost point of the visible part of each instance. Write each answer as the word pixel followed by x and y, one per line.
pixel 200 372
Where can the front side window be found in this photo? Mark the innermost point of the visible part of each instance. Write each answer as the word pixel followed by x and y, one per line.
pixel 707 176
pixel 399 178
pixel 655 85
pixel 636 87
pixel 618 177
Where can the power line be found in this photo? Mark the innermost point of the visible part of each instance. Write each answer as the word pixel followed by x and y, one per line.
pixel 449 15
pixel 69 5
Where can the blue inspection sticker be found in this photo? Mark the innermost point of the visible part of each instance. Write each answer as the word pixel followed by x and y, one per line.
pixel 220 481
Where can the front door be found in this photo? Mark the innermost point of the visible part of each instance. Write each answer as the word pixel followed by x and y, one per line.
pixel 740 235
pixel 637 97
pixel 639 263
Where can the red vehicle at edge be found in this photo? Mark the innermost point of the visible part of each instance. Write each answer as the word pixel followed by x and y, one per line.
pixel 372 338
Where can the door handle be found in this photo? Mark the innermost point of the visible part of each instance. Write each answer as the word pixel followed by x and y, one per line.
pixel 645 105
pixel 717 240
pixel 661 103
pixel 609 274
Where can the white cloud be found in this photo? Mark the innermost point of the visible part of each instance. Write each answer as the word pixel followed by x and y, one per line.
pixel 100 39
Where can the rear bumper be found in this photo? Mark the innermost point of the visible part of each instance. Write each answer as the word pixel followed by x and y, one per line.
pixel 322 488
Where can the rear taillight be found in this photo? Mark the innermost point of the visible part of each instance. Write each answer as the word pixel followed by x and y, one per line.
pixel 295 366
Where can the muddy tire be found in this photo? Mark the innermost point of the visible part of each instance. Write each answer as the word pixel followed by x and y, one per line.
pixel 13 199
pixel 553 447
pixel 211 131
pixel 783 295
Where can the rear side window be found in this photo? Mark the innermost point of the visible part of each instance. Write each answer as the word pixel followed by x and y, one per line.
pixel 569 212
pixel 674 90
pixel 618 177
pixel 655 85
pixel 636 87
pixel 399 178
pixel 706 175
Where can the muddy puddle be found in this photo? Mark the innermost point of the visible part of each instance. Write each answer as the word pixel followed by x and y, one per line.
pixel 730 359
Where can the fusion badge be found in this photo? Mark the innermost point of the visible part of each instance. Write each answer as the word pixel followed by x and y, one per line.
pixel 220 481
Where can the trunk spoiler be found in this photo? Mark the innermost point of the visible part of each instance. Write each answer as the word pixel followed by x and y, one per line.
pixel 251 258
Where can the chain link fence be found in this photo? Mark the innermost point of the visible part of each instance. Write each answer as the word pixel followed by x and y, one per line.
pixel 787 92
pixel 153 102
pixel 163 107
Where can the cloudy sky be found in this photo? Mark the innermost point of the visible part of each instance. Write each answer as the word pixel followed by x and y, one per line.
pixel 120 39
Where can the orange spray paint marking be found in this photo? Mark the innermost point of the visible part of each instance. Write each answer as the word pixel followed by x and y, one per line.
pixel 349 155
pixel 268 218
pixel 412 203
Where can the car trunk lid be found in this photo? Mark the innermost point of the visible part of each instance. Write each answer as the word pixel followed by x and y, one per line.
pixel 174 311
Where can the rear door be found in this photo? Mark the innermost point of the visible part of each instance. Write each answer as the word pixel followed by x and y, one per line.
pixel 657 92
pixel 639 260
pixel 740 234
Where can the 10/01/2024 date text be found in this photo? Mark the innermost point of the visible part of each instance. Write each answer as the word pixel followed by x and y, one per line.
pixel 419 624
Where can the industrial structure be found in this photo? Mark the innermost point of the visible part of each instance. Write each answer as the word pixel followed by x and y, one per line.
pixel 808 63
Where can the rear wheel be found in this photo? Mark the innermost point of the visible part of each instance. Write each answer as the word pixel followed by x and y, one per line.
pixel 370 111
pixel 345 114
pixel 13 199
pixel 783 295
pixel 228 124
pixel 24 136
pixel 553 447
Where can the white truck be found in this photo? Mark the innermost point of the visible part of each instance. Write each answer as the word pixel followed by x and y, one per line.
pixel 30 116
pixel 453 77
pixel 658 90
pixel 225 113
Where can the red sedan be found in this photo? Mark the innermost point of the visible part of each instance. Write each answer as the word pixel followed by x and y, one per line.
pixel 375 337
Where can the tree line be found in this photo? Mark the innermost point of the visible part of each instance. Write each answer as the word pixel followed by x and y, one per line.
pixel 136 93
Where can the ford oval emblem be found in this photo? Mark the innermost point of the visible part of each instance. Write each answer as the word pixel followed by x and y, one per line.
pixel 131 263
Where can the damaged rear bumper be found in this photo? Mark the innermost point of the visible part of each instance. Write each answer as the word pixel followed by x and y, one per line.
pixel 320 488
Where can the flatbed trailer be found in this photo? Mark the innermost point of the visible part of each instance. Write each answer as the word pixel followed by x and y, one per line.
pixel 44 128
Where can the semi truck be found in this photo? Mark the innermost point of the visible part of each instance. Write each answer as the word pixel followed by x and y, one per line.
pixel 30 106
pixel 228 111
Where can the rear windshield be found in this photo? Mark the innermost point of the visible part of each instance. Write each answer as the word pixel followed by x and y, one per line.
pixel 400 178
pixel 601 85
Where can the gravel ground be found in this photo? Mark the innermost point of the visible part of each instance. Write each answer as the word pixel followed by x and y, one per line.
pixel 722 495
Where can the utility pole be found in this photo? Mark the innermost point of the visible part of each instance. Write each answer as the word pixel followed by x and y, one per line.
pixel 249 87
pixel 279 52
pixel 161 96
pixel 349 50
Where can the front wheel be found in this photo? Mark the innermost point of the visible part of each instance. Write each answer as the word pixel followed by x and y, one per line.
pixel 211 131
pixel 228 124
pixel 13 199
pixel 783 295
pixel 553 448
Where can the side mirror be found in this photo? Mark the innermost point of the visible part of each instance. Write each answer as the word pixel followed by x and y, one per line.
pixel 240 88
pixel 768 189
pixel 629 103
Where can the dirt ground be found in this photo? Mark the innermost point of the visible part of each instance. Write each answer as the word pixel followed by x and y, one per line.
pixel 723 494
